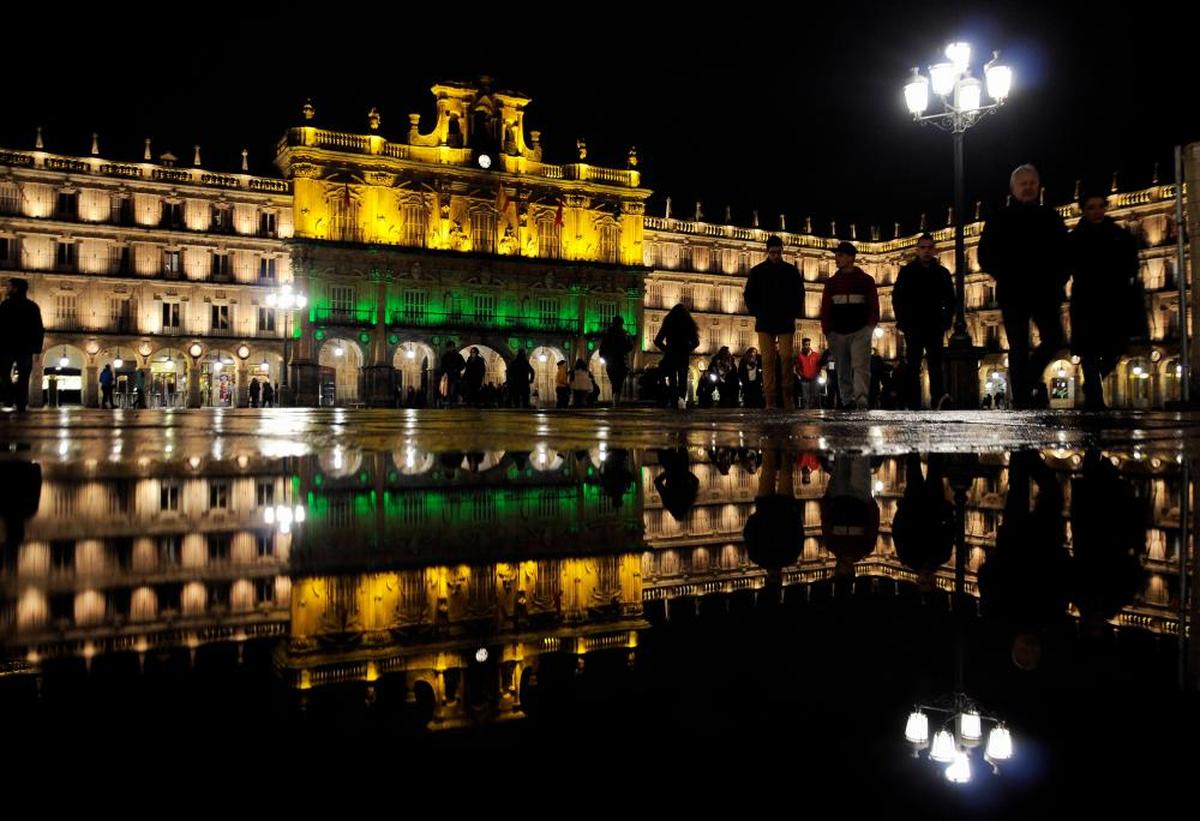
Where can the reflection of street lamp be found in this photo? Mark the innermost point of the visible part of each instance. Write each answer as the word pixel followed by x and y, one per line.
pixel 286 300
pixel 961 107
pixel 283 516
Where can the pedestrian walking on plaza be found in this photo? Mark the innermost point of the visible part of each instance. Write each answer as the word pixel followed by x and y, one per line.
pixel 453 365
pixel 775 297
pixel 268 395
pixel 750 375
pixel 581 384
pixel 1024 248
pixel 562 385
pixel 807 369
pixel 849 313
pixel 106 388
pixel 923 302
pixel 520 377
pixel 677 338
pixel 614 350
pixel 21 338
pixel 255 392
pixel 1108 305
pixel 474 370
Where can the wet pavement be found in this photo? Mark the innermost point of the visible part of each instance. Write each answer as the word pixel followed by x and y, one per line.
pixel 755 595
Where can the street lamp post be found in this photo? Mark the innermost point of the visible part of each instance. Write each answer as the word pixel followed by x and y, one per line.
pixel 961 97
pixel 287 300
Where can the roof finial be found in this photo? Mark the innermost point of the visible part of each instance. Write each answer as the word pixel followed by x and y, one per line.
pixel 633 157
pixel 783 222
pixel 373 118
pixel 875 233
pixel 808 225
pixel 978 209
pixel 667 215
pixel 854 231
pixel 1078 188
pixel 922 228
pixel 833 228
pixel 196 156
pixel 37 141
pixel 950 216
pixel 308 110
pixel 699 213
pixel 95 144
pixel 728 215
pixel 581 147
pixel 1114 182
pixel 754 217
pixel 146 153
pixel 1042 196
pixel 896 230
pixel 245 159
pixel 1154 179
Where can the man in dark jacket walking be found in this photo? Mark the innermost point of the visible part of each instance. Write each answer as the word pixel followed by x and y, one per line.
pixel 21 338
pixel 849 314
pixel 473 373
pixel 452 368
pixel 1024 248
pixel 1107 306
pixel 923 301
pixel 614 350
pixel 775 296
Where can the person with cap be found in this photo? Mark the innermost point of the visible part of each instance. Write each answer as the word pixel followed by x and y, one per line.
pixel 923 301
pixel 1024 249
pixel 849 314
pixel 775 297
pixel 21 338
pixel 1107 305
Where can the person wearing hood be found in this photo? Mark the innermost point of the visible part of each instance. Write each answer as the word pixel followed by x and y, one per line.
pixel 1107 305
pixel 849 314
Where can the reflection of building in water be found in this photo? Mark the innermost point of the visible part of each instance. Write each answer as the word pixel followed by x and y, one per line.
pixel 124 558
pixel 705 553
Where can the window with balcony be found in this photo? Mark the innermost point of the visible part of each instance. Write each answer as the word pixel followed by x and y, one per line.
pixel 266 269
pixel 120 314
pixel 66 205
pixel 266 320
pixel 341 301
pixel 65 256
pixel 172 215
pixel 172 263
pixel 266 224
pixel 220 266
pixel 218 496
pixel 168 496
pixel 66 310
pixel 220 317
pixel 485 308
pixel 171 316
pixel 483 231
pixel 415 305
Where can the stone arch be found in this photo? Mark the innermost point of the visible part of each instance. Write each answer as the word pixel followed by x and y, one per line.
pixel 545 359
pixel 1062 378
pixel 218 379
pixel 64 368
pixel 416 363
pixel 167 381
pixel 1135 386
pixel 340 360
pixel 497 362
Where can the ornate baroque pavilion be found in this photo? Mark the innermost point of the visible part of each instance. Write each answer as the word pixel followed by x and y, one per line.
pixel 456 234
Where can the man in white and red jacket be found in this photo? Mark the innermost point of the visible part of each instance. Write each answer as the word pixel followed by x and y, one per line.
pixel 849 314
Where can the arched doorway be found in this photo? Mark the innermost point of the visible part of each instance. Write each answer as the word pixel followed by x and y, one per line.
pixel 416 364
pixel 264 368
pixel 1171 379
pixel 218 379
pixel 62 376
pixel 1061 378
pixel 596 366
pixel 995 387
pixel 544 360
pixel 1139 384
pixel 124 363
pixel 340 367
pixel 496 368
pixel 168 386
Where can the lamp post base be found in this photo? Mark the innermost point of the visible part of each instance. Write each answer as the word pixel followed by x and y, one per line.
pixel 961 361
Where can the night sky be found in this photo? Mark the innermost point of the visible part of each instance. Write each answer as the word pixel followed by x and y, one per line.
pixel 800 113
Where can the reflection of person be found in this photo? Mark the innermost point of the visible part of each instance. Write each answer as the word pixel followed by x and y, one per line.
pixel 774 532
pixel 22 483
pixel 1108 536
pixel 615 476
pixel 1023 582
pixel 849 513
pixel 676 484
pixel 923 528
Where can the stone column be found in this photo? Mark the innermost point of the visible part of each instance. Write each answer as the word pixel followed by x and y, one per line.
pixel 379 378
pixel 35 381
pixel 193 389
pixel 243 386
pixel 91 386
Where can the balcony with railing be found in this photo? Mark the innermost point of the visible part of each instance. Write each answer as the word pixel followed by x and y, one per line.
pixel 344 316
pixel 486 322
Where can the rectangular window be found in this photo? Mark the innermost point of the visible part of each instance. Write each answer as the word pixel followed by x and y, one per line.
pixel 65 254
pixel 264 591
pixel 415 304
pixel 264 494
pixel 66 308
pixel 172 263
pixel 10 198
pixel 6 249
pixel 549 239
pixel 714 338
pixel 218 547
pixel 687 297
pixel 171 315
pixel 221 221
pixel 120 314
pixel 266 269
pixel 609 242
pixel 169 549
pixel 172 215
pixel 66 206
pixel 168 497
pixel 485 308
pixel 607 311
pixel 414 224
pixel 266 224
pixel 483 231
pixel 220 265
pixel 265 544
pixel 218 496
pixel 547 310
pixel 220 317
pixel 266 320
pixel 341 300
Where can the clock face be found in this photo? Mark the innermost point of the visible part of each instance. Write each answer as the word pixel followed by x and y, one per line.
pixel 485 161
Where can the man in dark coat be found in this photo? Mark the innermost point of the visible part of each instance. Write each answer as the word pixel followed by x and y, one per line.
pixel 775 296
pixel 923 302
pixel 473 373
pixel 614 350
pixel 21 338
pixel 452 369
pixel 1024 248
pixel 1107 305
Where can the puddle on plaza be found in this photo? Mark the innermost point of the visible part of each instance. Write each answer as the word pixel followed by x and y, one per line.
pixel 678 597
